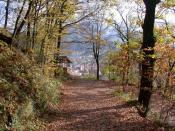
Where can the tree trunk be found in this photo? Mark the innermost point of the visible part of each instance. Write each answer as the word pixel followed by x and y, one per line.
pixel 6 13
pixel 128 61
pixel 18 30
pixel 28 35
pixel 98 69
pixel 18 18
pixel 34 33
pixel 147 64
pixel 59 36
pixel 37 8
pixel 59 43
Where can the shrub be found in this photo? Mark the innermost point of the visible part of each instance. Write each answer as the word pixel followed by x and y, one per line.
pixel 127 96
pixel 61 73
pixel 24 90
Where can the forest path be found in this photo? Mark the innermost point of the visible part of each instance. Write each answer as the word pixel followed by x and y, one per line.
pixel 88 105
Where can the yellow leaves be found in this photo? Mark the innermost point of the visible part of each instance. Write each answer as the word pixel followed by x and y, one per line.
pixel 112 2
pixel 65 10
pixel 5 32
pixel 109 21
pixel 49 69
pixel 125 55
pixel 169 3
pixel 152 56
pixel 173 69
pixel 118 45
pixel 164 35
pixel 160 40
pixel 165 54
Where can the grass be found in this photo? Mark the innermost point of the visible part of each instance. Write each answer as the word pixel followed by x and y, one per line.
pixel 126 96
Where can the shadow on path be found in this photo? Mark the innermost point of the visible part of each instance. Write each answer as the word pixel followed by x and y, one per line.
pixel 88 105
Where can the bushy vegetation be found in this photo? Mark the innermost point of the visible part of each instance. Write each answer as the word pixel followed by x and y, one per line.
pixel 61 73
pixel 126 96
pixel 122 65
pixel 25 91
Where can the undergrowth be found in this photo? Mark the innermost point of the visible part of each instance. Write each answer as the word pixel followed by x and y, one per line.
pixel 127 96
pixel 25 91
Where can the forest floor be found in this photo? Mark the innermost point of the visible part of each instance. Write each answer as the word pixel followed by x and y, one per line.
pixel 89 105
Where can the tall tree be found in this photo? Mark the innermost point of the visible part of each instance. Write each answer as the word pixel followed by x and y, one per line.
pixel 96 49
pixel 94 32
pixel 127 31
pixel 147 64
pixel 66 10
pixel 19 28
pixel 18 18
pixel 6 13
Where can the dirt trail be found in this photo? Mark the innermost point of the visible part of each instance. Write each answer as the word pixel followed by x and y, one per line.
pixel 88 105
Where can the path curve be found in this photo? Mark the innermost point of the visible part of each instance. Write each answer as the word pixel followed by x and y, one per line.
pixel 88 105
